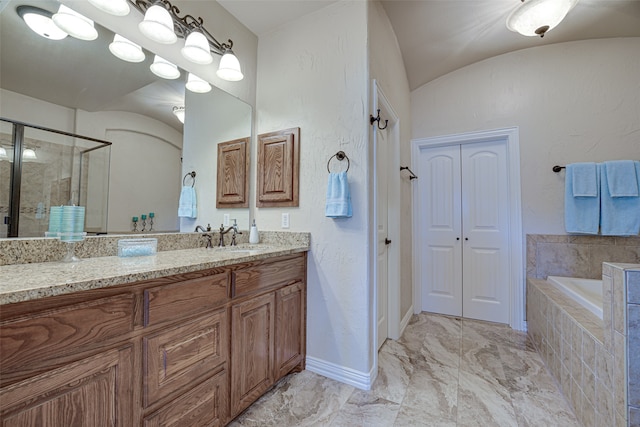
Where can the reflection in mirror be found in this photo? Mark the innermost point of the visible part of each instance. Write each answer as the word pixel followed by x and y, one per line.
pixel 212 119
pixel 80 87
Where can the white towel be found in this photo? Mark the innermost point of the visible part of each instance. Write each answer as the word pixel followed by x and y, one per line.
pixel 187 207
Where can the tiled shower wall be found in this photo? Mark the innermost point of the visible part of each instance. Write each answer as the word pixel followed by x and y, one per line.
pixel 577 256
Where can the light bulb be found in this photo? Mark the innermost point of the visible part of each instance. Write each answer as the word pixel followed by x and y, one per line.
pixel 75 24
pixel 196 84
pixel 158 25
pixel 229 68
pixel 126 50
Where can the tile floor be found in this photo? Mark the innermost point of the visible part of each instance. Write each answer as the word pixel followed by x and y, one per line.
pixel 444 371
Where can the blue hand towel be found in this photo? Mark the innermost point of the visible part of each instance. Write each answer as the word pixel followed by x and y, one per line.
pixel 187 207
pixel 581 214
pixel 338 196
pixel 620 216
pixel 585 179
pixel 621 178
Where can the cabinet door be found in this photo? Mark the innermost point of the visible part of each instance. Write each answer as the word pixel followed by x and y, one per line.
pixel 290 320
pixel 96 391
pixel 252 350
pixel 204 405
pixel 178 357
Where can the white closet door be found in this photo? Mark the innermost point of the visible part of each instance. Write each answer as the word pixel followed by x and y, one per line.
pixel 440 230
pixel 485 207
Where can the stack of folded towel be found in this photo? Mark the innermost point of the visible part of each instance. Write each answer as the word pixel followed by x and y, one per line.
pixel 603 197
pixel 620 199
pixel 187 207
pixel 582 198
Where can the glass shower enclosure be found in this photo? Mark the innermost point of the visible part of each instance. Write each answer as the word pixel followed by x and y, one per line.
pixel 42 167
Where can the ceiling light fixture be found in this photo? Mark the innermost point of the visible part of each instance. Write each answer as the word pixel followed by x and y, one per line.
pixel 126 50
pixel 112 7
pixel 75 24
pixel 196 84
pixel 537 17
pixel 165 69
pixel 179 112
pixel 163 24
pixel 40 22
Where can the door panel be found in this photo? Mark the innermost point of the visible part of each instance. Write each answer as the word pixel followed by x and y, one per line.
pixel 382 235
pixel 485 203
pixel 439 230
pixel 463 230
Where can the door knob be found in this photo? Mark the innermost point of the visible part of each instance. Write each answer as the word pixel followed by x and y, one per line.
pixel 457 238
pixel 466 238
pixel 387 241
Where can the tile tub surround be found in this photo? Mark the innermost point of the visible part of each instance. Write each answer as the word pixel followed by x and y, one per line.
pixel 577 255
pixel 26 282
pixel 443 371
pixel 586 355
pixel 36 250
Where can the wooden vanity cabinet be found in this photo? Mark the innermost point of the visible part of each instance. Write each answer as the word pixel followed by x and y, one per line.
pixel 267 327
pixel 188 350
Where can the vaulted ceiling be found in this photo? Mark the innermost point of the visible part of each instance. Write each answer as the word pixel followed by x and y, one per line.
pixel 439 36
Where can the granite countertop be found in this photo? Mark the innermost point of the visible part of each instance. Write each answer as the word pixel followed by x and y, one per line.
pixel 26 282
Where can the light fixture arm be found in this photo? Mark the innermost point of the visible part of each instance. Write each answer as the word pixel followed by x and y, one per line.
pixel 184 25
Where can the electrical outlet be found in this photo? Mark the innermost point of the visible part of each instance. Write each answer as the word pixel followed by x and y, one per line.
pixel 285 220
pixel 225 220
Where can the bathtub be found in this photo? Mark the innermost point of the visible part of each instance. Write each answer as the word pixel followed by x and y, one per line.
pixel 587 292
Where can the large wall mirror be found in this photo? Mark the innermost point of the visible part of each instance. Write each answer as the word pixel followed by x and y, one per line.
pixel 80 87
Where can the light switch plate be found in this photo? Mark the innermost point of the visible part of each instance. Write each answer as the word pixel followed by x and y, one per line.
pixel 285 220
pixel 225 219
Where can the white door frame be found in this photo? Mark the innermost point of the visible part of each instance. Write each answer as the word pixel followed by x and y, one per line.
pixel 387 112
pixel 516 272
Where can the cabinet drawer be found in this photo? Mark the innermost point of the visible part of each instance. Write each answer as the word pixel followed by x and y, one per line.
pixel 176 300
pixel 204 405
pixel 176 357
pixel 268 275
pixel 35 341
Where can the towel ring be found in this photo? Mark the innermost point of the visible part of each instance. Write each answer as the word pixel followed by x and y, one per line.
pixel 193 177
pixel 340 156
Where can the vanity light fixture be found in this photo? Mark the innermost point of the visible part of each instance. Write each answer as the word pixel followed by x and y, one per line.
pixel 196 48
pixel 75 24
pixel 162 23
pixel 537 17
pixel 29 154
pixel 196 84
pixel 126 50
pixel 158 25
pixel 165 69
pixel 112 7
pixel 3 153
pixel 179 112
pixel 229 68
pixel 40 22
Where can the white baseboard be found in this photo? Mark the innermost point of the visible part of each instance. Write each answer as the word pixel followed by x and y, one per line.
pixel 405 320
pixel 358 379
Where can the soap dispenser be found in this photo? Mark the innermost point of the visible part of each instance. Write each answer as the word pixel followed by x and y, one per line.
pixel 253 233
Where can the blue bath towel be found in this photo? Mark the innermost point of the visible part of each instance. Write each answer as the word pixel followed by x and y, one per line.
pixel 585 179
pixel 620 216
pixel 621 178
pixel 338 196
pixel 581 214
pixel 187 207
